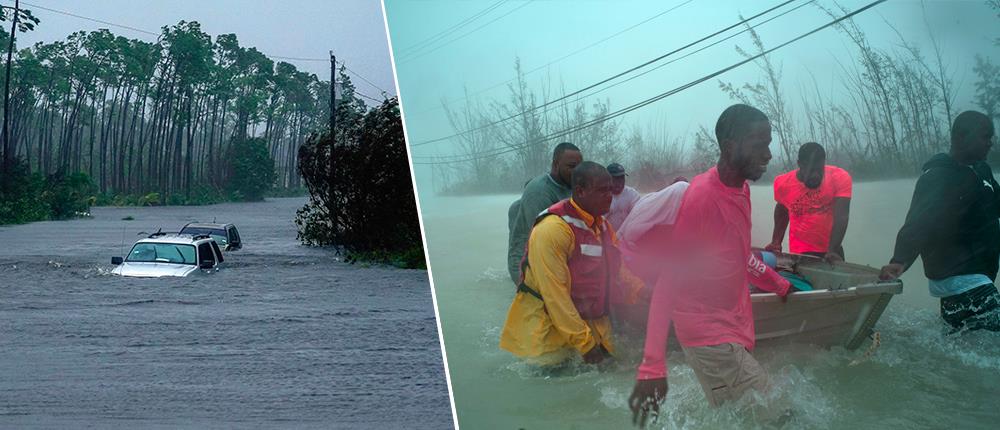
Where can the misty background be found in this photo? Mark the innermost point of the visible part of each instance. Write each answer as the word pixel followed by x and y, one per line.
pixel 879 91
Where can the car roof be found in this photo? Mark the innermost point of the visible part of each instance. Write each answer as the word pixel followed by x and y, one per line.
pixel 180 239
pixel 206 225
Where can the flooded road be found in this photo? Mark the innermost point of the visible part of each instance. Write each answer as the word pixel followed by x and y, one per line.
pixel 283 336
pixel 918 378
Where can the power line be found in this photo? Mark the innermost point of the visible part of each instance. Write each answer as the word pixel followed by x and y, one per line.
pixel 364 78
pixel 415 56
pixel 660 66
pixel 368 97
pixel 654 99
pixel 587 124
pixel 616 76
pixel 620 32
pixel 672 61
pixel 320 60
pixel 91 19
pixel 443 33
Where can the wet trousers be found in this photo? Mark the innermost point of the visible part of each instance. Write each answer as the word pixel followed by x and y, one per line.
pixel 976 309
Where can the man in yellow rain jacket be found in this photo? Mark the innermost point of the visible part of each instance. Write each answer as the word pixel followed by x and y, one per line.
pixel 570 270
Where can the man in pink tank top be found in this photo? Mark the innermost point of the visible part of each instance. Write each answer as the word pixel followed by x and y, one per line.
pixel 703 291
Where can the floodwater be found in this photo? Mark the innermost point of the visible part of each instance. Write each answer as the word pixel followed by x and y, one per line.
pixel 283 336
pixel 918 378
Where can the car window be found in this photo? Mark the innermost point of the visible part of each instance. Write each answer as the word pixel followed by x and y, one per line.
pixel 175 253
pixel 205 253
pixel 218 252
pixel 217 234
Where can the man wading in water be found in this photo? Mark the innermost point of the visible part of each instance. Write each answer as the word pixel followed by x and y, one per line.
pixel 570 271
pixel 703 290
pixel 815 201
pixel 953 225
pixel 539 193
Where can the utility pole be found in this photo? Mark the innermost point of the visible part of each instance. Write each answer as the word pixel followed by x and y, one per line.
pixel 333 92
pixel 8 156
pixel 331 205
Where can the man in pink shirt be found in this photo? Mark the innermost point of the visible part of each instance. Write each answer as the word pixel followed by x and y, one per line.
pixel 703 290
pixel 814 202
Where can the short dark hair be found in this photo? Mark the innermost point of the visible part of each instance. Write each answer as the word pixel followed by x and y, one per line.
pixel 811 152
pixel 585 171
pixel 969 122
pixel 563 147
pixel 735 121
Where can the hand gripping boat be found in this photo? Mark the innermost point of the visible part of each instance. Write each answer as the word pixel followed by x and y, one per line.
pixel 841 310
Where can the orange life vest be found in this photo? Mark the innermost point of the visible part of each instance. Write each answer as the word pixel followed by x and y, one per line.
pixel 593 265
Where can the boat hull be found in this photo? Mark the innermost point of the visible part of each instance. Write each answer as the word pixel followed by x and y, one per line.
pixel 847 300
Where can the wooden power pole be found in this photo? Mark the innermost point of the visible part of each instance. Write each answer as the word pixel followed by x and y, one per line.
pixel 331 205
pixel 333 92
pixel 8 149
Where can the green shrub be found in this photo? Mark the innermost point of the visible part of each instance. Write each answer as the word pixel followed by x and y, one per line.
pixel 28 197
pixel 367 206
pixel 68 196
pixel 19 196
pixel 251 170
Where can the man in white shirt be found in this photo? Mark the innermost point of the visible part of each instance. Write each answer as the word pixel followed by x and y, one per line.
pixel 623 197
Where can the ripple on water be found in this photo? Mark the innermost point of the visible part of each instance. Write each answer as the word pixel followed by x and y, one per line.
pixel 493 275
pixel 918 365
pixel 281 337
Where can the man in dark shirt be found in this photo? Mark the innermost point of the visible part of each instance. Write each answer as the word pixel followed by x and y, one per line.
pixel 954 225
pixel 539 193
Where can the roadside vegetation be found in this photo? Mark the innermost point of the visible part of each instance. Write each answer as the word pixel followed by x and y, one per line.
pixel 361 194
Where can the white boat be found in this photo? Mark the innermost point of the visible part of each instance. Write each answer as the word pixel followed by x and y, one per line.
pixel 846 302
pixel 842 309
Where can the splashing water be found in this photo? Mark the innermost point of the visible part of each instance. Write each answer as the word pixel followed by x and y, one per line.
pixel 919 377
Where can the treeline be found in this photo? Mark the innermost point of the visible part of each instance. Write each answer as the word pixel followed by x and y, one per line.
pixel 158 117
pixel 891 113
pixel 500 156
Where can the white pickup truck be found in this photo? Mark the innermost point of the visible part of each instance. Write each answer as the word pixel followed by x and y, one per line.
pixel 170 254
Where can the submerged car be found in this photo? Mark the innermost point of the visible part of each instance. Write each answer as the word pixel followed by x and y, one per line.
pixel 225 235
pixel 169 254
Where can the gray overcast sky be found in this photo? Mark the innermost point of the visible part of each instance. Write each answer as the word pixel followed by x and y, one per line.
pixel 353 29
pixel 482 54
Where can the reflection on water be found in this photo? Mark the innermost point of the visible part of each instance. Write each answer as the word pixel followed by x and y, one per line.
pixel 283 336
pixel 917 378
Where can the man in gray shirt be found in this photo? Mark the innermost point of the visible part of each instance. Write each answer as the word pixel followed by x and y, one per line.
pixel 539 193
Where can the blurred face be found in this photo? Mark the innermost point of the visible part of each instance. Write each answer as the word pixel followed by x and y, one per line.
pixel 750 153
pixel 564 165
pixel 595 197
pixel 617 184
pixel 978 143
pixel 811 172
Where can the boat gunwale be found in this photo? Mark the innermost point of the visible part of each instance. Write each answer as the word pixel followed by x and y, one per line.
pixel 873 288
